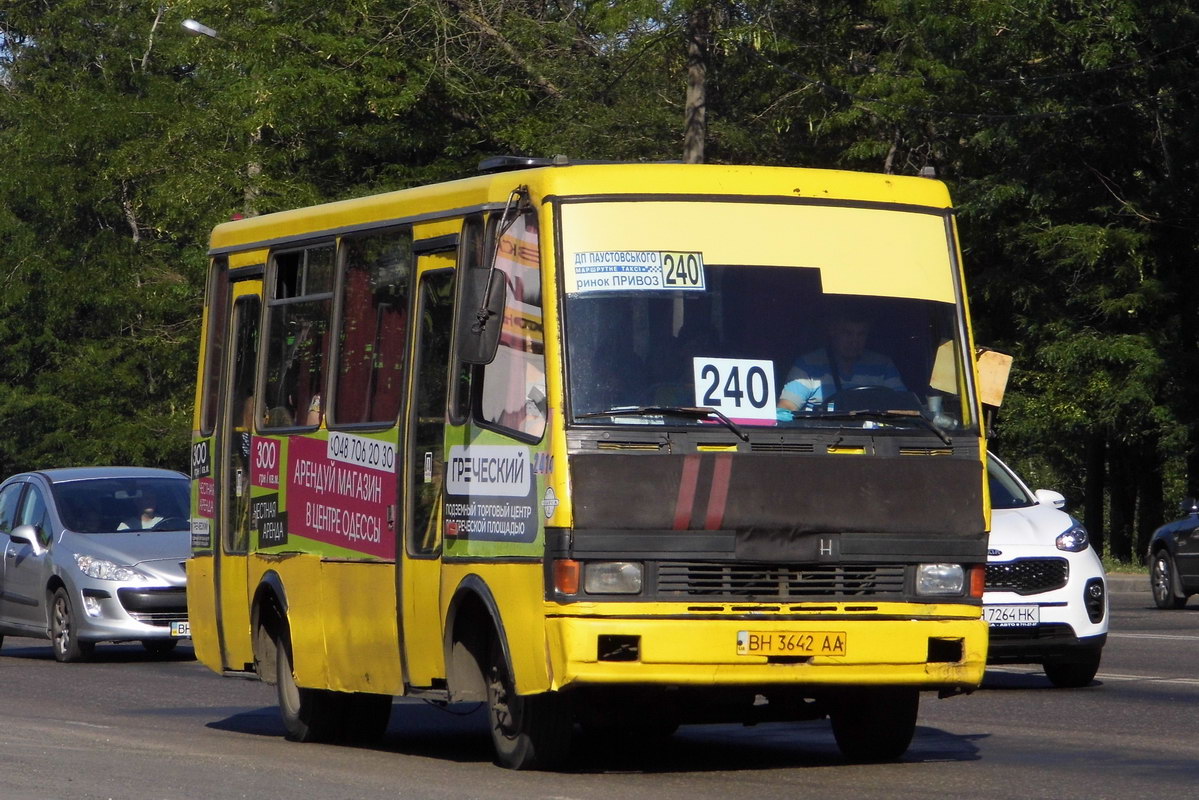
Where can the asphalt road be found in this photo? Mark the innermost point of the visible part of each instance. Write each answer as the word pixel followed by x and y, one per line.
pixel 129 727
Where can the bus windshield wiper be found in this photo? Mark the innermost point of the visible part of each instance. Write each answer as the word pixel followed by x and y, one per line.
pixel 869 413
pixel 688 411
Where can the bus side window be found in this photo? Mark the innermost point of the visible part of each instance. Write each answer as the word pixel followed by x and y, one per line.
pixel 470 256
pixel 376 273
pixel 218 310
pixel 297 338
pixel 513 394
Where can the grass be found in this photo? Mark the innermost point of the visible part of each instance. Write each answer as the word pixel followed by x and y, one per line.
pixel 1112 564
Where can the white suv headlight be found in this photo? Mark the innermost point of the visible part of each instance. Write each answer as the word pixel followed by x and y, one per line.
pixel 940 579
pixel 1074 539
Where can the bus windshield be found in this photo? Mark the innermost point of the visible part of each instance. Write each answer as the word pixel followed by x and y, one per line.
pixel 790 345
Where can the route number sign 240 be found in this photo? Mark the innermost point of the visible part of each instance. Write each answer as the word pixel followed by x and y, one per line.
pixel 738 388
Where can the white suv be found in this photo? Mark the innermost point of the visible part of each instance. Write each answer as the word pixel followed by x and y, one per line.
pixel 1046 596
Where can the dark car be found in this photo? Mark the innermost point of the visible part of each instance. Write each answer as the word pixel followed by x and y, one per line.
pixel 1174 558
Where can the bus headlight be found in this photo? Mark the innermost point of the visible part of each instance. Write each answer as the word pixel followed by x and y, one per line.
pixel 612 577
pixel 940 579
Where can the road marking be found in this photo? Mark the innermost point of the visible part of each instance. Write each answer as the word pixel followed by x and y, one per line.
pixel 1168 636
pixel 1111 676
pixel 1115 677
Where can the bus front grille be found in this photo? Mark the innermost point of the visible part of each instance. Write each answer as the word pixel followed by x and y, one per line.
pixel 778 582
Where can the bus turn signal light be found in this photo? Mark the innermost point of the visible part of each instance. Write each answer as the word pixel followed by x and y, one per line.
pixel 978 580
pixel 566 576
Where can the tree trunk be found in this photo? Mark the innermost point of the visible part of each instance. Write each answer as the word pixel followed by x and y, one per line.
pixel 1123 493
pixel 695 125
pixel 1150 504
pixel 1092 502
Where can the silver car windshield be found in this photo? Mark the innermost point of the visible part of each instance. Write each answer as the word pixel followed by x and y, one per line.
pixel 108 505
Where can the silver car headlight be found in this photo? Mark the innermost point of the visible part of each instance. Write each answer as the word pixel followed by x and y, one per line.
pixel 1074 539
pixel 940 579
pixel 105 570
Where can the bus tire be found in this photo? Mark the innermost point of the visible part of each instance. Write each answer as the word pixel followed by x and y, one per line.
pixel 528 731
pixel 321 715
pixel 309 715
pixel 875 724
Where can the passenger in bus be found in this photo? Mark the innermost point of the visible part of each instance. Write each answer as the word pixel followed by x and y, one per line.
pixel 313 417
pixel 844 363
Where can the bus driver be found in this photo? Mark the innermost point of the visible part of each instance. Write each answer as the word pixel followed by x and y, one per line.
pixel 844 363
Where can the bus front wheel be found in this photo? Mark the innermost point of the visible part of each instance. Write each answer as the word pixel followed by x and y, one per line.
pixel 528 731
pixel 875 724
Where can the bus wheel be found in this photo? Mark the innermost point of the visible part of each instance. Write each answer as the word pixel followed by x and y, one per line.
pixel 309 715
pixel 528 731
pixel 321 715
pixel 875 724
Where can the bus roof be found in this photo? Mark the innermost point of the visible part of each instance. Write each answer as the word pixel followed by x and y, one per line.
pixel 465 195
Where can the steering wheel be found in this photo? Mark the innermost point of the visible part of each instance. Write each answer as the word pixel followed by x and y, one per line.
pixel 172 524
pixel 872 398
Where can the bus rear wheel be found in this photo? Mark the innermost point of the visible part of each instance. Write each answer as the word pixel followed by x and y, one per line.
pixel 321 715
pixel 528 731
pixel 875 724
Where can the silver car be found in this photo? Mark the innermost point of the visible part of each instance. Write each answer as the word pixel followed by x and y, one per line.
pixel 95 554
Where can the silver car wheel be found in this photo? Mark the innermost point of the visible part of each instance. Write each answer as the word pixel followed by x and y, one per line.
pixel 63 636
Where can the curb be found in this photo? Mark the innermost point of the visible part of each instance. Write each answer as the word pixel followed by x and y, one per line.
pixel 1127 582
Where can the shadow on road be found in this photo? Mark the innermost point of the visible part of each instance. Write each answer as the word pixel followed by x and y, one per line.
pixel 105 653
pixel 1025 681
pixel 459 734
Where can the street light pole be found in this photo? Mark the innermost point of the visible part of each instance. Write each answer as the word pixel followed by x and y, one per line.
pixel 253 166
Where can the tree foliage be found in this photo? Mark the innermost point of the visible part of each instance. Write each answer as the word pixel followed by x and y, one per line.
pixel 1067 132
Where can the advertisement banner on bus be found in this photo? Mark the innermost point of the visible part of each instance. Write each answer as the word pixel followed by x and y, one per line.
pixel 490 494
pixel 338 492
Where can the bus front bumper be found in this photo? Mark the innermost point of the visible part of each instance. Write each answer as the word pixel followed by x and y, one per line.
pixel 934 654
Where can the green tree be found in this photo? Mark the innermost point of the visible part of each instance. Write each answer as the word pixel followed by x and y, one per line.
pixel 1066 132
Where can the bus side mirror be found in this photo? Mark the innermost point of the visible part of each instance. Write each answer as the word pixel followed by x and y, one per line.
pixel 480 323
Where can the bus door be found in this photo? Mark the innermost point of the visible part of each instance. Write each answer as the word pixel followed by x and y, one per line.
pixel 234 443
pixel 420 574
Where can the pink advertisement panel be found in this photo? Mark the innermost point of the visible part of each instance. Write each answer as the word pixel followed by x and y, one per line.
pixel 339 492
pixel 264 462
pixel 206 507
